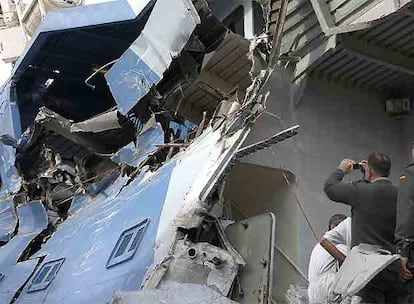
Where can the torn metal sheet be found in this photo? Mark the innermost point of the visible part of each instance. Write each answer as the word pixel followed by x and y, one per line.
pixel 202 263
pixel 8 140
pixel 48 121
pixel 9 125
pixel 32 221
pixel 8 219
pixel 201 165
pixel 173 293
pixel 134 153
pixel 95 229
pixel 360 267
pixel 100 123
pixel 14 278
pixel 182 129
pixel 118 231
pixel 167 31
pixel 255 278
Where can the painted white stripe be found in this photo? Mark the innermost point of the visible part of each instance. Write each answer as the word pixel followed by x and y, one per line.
pixel 166 33
pixel 194 169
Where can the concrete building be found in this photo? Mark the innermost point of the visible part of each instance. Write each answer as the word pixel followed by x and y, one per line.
pixel 347 59
pixel 19 20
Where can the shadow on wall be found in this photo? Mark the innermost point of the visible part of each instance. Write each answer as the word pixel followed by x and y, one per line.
pixel 252 190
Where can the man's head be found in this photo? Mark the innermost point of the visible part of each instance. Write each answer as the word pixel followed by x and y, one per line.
pixel 379 165
pixel 335 220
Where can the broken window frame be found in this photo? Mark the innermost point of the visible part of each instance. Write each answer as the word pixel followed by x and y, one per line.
pixel 130 247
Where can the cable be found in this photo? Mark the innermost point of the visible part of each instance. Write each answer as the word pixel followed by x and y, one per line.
pixel 96 72
pixel 295 195
pixel 297 200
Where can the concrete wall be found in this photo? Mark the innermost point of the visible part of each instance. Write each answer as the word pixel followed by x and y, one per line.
pixel 336 122
pixel 12 43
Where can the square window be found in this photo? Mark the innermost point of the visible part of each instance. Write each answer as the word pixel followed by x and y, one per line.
pixel 127 244
pixel 45 275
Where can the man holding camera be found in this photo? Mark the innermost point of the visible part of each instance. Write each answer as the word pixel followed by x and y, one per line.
pixel 373 204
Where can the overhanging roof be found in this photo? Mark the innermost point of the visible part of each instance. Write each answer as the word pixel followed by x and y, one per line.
pixel 377 56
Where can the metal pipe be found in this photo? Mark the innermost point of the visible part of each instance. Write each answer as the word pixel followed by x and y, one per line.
pixel 96 72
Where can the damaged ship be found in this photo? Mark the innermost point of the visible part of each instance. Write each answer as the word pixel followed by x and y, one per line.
pixel 114 174
pixel 137 157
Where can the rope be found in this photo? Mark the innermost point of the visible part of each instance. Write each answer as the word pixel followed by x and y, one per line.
pixel 298 202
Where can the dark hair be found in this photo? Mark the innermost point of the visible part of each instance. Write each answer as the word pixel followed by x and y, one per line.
pixel 336 219
pixel 380 163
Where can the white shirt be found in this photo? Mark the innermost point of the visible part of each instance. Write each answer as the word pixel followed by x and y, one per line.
pixel 323 267
pixel 322 272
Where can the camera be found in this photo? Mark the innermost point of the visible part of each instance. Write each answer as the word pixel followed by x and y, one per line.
pixel 357 166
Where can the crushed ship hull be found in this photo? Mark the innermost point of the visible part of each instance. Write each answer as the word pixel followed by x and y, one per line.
pixel 125 165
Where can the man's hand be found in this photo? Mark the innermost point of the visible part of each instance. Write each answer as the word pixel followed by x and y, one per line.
pixel 347 165
pixel 365 167
pixel 405 273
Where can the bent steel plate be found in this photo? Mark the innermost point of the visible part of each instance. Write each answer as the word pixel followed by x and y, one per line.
pixel 32 221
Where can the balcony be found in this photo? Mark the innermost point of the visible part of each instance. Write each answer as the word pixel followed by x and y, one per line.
pixel 32 12
pixel 368 44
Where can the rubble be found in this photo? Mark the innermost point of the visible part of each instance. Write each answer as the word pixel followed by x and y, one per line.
pixel 173 293
pixel 132 194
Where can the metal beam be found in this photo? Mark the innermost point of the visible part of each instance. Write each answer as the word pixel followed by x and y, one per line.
pixel 268 142
pixel 355 10
pixel 377 54
pixel 315 57
pixel 327 20
pixel 323 13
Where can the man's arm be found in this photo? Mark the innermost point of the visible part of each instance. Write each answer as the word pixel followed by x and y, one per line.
pixel 405 209
pixel 405 216
pixel 340 235
pixel 332 250
pixel 337 190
